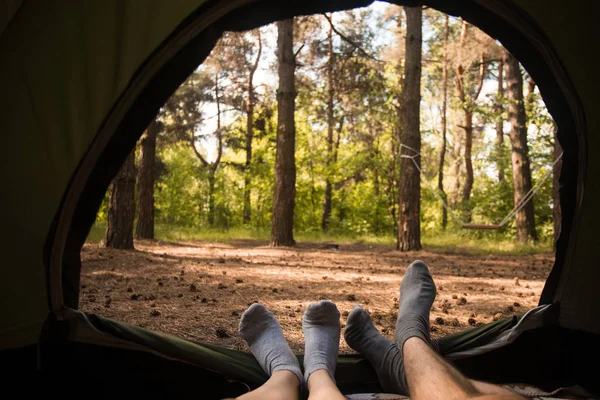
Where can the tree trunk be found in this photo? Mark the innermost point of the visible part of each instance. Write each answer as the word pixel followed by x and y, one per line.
pixel 212 167
pixel 457 169
pixel 469 179
pixel 247 211
pixel 530 97
pixel 211 194
pixel 144 228
pixel 444 126
pixel 282 223
pixel 409 222
pixel 467 103
pixel 500 123
pixel 121 207
pixel 394 183
pixel 330 126
pixel 525 221
pixel 556 210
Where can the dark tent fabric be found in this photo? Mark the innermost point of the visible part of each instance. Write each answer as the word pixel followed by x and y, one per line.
pixel 81 80
pixel 352 370
pixel 353 373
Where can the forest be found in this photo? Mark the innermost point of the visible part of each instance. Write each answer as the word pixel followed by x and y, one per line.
pixel 365 123
pixel 295 162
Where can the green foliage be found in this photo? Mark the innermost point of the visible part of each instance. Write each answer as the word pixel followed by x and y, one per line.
pixel 180 193
pixel 364 175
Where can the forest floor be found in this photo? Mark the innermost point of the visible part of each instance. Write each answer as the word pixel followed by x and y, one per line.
pixel 198 290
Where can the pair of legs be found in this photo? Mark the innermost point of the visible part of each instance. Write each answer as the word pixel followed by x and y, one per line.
pixel 407 365
pixel 321 326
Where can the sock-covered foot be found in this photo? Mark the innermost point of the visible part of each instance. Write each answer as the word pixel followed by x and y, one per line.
pixel 383 354
pixel 417 293
pixel 262 332
pixel 321 326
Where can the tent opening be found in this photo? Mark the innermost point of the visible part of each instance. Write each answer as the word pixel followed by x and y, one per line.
pixel 216 286
pixel 202 177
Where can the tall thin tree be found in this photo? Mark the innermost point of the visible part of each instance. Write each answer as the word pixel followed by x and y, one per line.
pixel 499 108
pixel 394 183
pixel 444 123
pixel 556 210
pixel 409 223
pixel 468 100
pixel 247 211
pixel 144 228
pixel 282 222
pixel 121 207
pixel 214 165
pixel 522 184
pixel 327 202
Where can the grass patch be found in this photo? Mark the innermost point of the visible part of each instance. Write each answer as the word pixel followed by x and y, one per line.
pixel 468 243
pixel 174 233
pixel 450 242
pixel 96 234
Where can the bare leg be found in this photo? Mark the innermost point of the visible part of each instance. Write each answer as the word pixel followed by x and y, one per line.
pixel 262 332
pixel 282 385
pixel 322 387
pixel 410 365
pixel 321 326
pixel 429 377
pixel 490 389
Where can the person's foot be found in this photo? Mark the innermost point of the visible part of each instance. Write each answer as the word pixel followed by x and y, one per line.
pixel 417 293
pixel 262 332
pixel 383 354
pixel 321 326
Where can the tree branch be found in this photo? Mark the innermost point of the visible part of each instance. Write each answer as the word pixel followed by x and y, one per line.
pixel 298 51
pixel 237 166
pixel 255 65
pixel 352 43
pixel 482 68
pixel 337 140
pixel 357 177
pixel 200 157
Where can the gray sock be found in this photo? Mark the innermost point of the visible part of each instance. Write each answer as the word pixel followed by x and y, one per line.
pixel 262 332
pixel 417 294
pixel 383 354
pixel 321 325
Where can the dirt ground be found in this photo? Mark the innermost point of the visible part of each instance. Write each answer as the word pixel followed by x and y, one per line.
pixel 199 290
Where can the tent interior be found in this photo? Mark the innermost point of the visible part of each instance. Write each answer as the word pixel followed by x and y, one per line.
pixel 81 83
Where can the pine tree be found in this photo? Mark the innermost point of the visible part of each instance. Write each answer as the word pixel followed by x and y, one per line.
pixel 145 183
pixel 282 223
pixel 409 222
pixel 121 207
pixel 521 168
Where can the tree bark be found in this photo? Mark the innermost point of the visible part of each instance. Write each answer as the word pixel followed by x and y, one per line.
pixel 282 223
pixel 394 182
pixel 212 170
pixel 144 228
pixel 247 211
pixel 121 207
pixel 469 179
pixel 444 125
pixel 500 122
pixel 457 170
pixel 409 222
pixel 556 210
pixel 525 221
pixel 327 204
